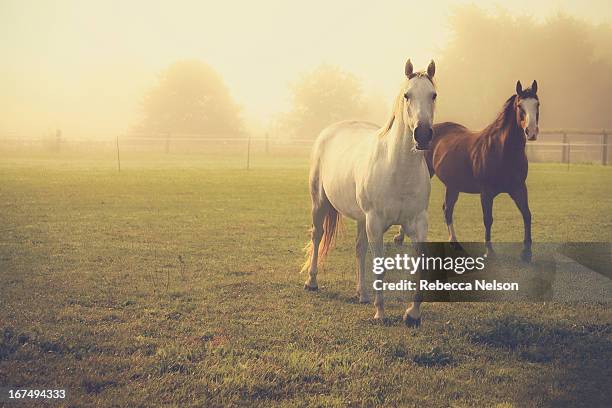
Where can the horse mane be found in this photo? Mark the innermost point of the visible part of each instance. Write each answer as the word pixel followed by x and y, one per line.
pixel 397 109
pixel 487 148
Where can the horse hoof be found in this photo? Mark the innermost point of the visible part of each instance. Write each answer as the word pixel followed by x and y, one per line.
pixel 526 256
pixel 364 300
pixel 490 253
pixel 398 239
pixel 412 322
pixel 311 288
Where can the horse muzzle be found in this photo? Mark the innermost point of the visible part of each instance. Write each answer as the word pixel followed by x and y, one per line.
pixel 422 137
pixel 532 135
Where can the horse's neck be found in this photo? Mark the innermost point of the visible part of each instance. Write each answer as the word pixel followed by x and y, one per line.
pixel 397 145
pixel 505 141
pixel 512 142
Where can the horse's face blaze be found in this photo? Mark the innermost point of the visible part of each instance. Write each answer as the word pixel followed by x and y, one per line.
pixel 527 108
pixel 527 116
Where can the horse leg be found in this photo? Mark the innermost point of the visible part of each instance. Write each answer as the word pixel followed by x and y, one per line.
pixel 399 237
pixel 450 198
pixel 375 231
pixel 486 200
pixel 519 196
pixel 418 235
pixel 319 210
pixel 361 250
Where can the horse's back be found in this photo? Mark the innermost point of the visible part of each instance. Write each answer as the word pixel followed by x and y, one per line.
pixel 442 129
pixel 449 156
pixel 346 137
pixel 348 128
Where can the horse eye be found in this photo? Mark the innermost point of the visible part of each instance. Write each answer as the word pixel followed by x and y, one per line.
pixel 434 96
pixel 406 95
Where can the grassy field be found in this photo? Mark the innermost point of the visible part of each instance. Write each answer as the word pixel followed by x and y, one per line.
pixel 175 283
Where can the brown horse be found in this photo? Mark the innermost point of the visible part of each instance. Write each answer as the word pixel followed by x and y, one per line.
pixel 488 162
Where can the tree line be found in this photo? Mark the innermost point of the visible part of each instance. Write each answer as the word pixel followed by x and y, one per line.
pixel 478 69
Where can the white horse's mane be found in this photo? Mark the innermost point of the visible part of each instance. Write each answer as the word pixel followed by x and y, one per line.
pixel 398 106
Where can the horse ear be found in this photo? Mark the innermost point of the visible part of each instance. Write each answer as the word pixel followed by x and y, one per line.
pixel 519 87
pixel 431 69
pixel 534 86
pixel 408 70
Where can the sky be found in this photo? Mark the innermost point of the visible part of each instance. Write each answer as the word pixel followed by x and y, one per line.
pixel 83 66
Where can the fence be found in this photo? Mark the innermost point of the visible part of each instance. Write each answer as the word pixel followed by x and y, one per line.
pixel 553 145
pixel 566 146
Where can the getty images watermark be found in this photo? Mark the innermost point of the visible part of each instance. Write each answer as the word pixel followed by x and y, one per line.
pixel 458 265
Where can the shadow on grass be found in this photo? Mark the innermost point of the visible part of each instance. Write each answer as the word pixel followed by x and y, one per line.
pixel 338 296
pixel 435 357
pixel 580 354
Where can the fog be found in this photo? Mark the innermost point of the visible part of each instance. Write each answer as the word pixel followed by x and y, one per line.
pixel 87 67
pixel 571 60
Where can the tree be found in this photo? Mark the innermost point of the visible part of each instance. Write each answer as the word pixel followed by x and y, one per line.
pixel 488 54
pixel 322 97
pixel 191 97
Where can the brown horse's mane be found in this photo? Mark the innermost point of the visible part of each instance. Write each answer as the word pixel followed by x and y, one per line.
pixel 488 148
pixel 493 132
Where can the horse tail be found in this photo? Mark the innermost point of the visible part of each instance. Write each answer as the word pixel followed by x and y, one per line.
pixel 330 230
pixel 331 222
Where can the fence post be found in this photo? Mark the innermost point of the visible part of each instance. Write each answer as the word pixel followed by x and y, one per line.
pixel 248 166
pixel 267 143
pixel 118 158
pixel 167 142
pixel 565 151
pixel 569 148
pixel 604 148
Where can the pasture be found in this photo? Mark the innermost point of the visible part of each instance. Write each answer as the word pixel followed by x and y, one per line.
pixel 175 283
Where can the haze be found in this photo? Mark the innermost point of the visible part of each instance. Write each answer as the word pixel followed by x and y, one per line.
pixel 85 66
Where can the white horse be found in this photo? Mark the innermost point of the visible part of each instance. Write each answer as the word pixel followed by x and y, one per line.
pixel 377 177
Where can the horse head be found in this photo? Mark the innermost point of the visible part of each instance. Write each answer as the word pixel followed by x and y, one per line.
pixel 527 109
pixel 419 104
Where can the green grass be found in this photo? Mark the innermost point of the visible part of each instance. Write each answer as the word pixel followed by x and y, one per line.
pixel 175 283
